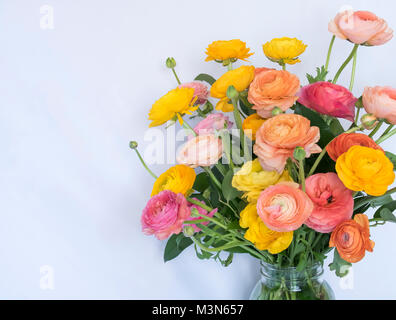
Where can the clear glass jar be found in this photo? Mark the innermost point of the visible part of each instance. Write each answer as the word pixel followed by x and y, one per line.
pixel 289 284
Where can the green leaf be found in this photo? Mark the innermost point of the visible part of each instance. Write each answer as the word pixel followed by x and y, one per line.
pixel 175 245
pixel 386 212
pixel 302 262
pixel 336 127
pixel 321 74
pixel 392 158
pixel 246 108
pixel 205 77
pixel 229 192
pixel 339 265
pixel 203 255
pixel 201 182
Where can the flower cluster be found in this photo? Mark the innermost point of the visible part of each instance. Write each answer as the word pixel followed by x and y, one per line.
pixel 290 182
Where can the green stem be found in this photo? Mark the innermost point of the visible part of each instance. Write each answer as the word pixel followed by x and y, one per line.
pixel 194 221
pixel 302 174
pixel 229 66
pixel 355 47
pixel 386 136
pixel 177 78
pixel 284 67
pixel 387 130
pixel 329 53
pixel 212 176
pixel 377 127
pixel 238 121
pixel 225 247
pixel 357 116
pixel 353 71
pixel 144 164
pixel 370 198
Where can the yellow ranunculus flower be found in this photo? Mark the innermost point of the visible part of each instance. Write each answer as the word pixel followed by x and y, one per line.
pixel 179 179
pixel 284 50
pixel 260 235
pixel 251 124
pixel 231 49
pixel 175 103
pixel 365 169
pixel 252 179
pixel 240 78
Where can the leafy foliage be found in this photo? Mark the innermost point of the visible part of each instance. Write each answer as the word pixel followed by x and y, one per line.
pixel 205 77
pixel 321 74
pixel 339 265
pixel 176 244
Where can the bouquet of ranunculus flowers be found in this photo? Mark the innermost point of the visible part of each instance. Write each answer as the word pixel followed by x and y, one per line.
pixel 283 181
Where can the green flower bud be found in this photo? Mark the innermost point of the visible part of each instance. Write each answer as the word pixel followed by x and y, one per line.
pixel 171 63
pixel 133 144
pixel 188 231
pixel 299 154
pixel 369 121
pixel 276 111
pixel 232 93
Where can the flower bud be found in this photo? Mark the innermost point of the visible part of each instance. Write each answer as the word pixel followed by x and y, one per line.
pixel 276 111
pixel 188 231
pixel 171 63
pixel 232 93
pixel 133 144
pixel 369 121
pixel 299 154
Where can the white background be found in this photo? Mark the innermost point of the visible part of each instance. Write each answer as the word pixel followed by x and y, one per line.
pixel 71 98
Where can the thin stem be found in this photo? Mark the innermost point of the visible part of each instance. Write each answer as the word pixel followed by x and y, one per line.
pixel 144 164
pixel 283 66
pixel 355 47
pixel 329 53
pixel 353 71
pixel 212 176
pixel 229 66
pixel 387 130
pixel 302 174
pixel 377 127
pixel 369 199
pixel 199 204
pixel 238 121
pixel 227 246
pixel 357 116
pixel 177 78
pixel 386 136
pixel 188 128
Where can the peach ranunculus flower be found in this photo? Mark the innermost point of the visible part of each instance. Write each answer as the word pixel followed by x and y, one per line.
pixel 343 142
pixel 240 78
pixel 284 207
pixel 381 102
pixel 361 27
pixel 352 238
pixel 201 151
pixel 279 136
pixel 365 169
pixel 251 124
pixel 333 202
pixel 231 50
pixel 272 88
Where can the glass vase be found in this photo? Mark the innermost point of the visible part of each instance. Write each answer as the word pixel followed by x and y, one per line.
pixel 278 283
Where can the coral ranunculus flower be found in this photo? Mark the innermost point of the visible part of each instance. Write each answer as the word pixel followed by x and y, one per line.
pixel 365 169
pixel 175 103
pixel 272 88
pixel 284 207
pixel 352 238
pixel 284 50
pixel 165 214
pixel 252 179
pixel 251 124
pixel 179 179
pixel 361 27
pixel 343 142
pixel 240 78
pixel 227 49
pixel 381 102
pixel 279 136
pixel 260 235
pixel 328 98
pixel 333 202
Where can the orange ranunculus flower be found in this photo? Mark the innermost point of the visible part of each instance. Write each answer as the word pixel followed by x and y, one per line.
pixel 352 238
pixel 343 142
pixel 227 49
pixel 279 136
pixel 365 169
pixel 272 88
pixel 251 124
pixel 240 78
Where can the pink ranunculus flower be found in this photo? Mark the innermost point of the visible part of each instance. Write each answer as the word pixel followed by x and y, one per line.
pixel 200 211
pixel 165 214
pixel 201 151
pixel 214 121
pixel 381 102
pixel 361 27
pixel 330 99
pixel 200 90
pixel 333 202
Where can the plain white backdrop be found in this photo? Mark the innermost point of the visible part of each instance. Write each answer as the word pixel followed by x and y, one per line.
pixel 72 97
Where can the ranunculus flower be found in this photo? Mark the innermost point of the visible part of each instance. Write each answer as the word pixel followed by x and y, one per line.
pixel 214 121
pixel 328 98
pixel 251 124
pixel 260 235
pixel 333 202
pixel 365 169
pixel 381 102
pixel 352 238
pixel 201 151
pixel 272 88
pixel 279 136
pixel 200 211
pixel 179 179
pixel 201 91
pixel 227 49
pixel 164 214
pixel 284 207
pixel 361 27
pixel 343 142
pixel 284 50
pixel 252 179
pixel 240 78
